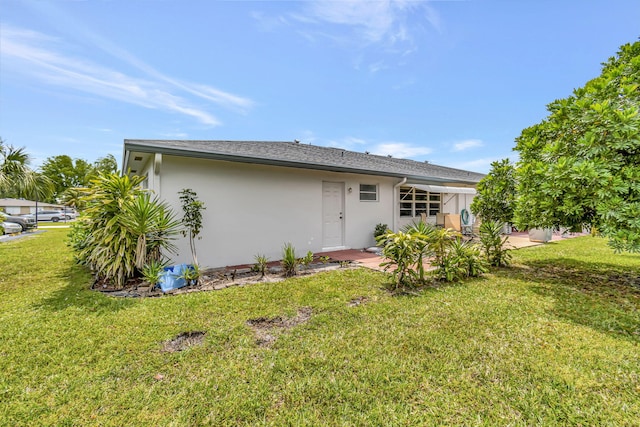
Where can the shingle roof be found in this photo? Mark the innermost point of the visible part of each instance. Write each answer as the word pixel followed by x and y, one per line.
pixel 304 156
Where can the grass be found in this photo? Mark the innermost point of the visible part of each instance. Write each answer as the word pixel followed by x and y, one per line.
pixel 552 341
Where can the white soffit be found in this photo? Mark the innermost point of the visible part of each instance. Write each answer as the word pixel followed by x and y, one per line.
pixel 443 189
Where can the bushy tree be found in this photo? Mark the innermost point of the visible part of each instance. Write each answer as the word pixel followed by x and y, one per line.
pixel 496 196
pixel 65 172
pixel 580 167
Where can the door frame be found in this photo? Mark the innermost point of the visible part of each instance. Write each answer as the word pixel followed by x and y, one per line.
pixel 341 186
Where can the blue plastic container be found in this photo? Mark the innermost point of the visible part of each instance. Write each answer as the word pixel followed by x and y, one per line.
pixel 171 279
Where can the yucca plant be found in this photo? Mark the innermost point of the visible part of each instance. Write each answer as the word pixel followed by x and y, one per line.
pixel 154 225
pixel 123 227
pixel 152 271
pixel 289 260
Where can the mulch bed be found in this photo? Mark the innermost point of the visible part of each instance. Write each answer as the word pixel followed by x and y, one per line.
pixel 214 280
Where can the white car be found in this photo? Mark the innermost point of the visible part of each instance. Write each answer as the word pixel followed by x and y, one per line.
pixel 11 227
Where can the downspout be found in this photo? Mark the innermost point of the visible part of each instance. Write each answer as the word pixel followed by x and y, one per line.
pixel 396 202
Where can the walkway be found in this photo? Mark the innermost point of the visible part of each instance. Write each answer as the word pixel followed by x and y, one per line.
pixel 516 240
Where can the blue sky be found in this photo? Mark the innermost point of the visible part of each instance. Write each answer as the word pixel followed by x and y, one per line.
pixel 452 82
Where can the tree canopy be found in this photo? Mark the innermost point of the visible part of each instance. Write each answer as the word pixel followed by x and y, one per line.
pixel 580 167
pixel 496 196
pixel 65 172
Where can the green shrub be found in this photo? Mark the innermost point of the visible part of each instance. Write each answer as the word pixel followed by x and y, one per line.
pixel 152 271
pixel 289 260
pixel 424 234
pixel 380 230
pixel 123 228
pixel 402 251
pixel 493 243
pixel 469 257
pixel 306 260
pixel 261 264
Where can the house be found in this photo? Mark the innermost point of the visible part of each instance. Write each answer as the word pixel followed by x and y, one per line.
pixel 21 206
pixel 260 195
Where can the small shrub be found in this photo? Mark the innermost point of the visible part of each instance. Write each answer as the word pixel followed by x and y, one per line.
pixel 380 230
pixel 152 271
pixel 306 260
pixel 261 264
pixel 424 234
pixel 324 259
pixel 402 250
pixel 289 260
pixel 191 274
pixel 493 243
pixel 469 257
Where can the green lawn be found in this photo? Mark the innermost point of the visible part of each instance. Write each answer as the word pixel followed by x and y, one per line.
pixel 552 341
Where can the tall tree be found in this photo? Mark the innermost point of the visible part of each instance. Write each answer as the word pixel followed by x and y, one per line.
pixel 580 167
pixel 65 173
pixel 496 193
pixel 105 165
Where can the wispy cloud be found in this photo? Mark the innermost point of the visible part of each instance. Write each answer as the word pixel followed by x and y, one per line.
pixel 389 24
pixel 371 21
pixel 467 145
pixel 401 150
pixel 43 57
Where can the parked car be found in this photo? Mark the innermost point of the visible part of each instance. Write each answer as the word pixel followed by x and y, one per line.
pixel 70 213
pixel 25 221
pixel 54 216
pixel 11 227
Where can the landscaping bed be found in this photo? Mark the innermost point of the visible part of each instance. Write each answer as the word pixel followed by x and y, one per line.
pixel 216 280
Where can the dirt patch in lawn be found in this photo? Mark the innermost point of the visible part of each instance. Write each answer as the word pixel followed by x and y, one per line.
pixel 183 341
pixel 267 330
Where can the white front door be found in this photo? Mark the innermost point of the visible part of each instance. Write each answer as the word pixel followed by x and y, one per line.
pixel 332 214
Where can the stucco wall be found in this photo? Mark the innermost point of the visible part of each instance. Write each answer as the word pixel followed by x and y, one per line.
pixel 255 209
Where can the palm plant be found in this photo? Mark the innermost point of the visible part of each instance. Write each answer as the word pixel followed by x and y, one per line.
pixel 17 179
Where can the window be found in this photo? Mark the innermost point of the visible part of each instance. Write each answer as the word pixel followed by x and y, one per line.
pixel 414 202
pixel 368 192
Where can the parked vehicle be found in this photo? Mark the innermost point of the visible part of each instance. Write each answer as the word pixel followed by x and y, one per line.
pixel 54 216
pixel 70 213
pixel 25 221
pixel 11 227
